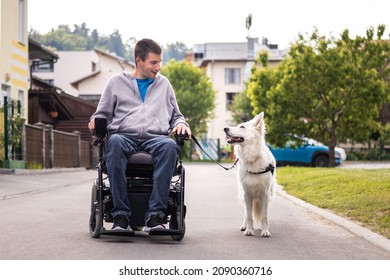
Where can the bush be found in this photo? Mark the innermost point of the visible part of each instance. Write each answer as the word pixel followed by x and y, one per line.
pixel 368 155
pixel 34 165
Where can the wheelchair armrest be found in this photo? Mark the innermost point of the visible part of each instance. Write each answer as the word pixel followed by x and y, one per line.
pixel 100 127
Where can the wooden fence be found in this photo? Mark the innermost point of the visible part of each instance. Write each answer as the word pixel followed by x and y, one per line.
pixel 46 147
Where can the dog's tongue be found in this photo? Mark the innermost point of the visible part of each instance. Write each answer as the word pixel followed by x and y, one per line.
pixel 232 140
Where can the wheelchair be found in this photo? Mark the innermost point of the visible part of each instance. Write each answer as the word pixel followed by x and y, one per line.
pixel 139 174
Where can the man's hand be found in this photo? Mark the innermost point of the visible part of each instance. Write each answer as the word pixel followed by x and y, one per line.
pixel 91 125
pixel 181 128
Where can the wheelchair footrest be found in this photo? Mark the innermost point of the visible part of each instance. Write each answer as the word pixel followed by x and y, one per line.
pixel 163 231
pixel 116 233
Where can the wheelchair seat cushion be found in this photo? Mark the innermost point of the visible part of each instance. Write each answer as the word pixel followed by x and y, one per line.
pixel 142 158
pixel 140 164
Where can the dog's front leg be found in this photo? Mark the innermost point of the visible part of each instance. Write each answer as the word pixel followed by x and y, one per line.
pixel 264 216
pixel 247 226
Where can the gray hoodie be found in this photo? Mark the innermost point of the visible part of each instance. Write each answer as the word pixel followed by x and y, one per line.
pixel 122 106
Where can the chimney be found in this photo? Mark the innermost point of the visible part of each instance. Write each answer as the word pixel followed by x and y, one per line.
pixel 251 48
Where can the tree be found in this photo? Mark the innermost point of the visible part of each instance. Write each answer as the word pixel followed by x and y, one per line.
pixel 83 31
pixel 62 39
pixel 116 44
pixel 241 108
pixel 326 89
pixel 255 93
pixel 194 91
pixel 129 48
pixel 175 51
pixel 81 38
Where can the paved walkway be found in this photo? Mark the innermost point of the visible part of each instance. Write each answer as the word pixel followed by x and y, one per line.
pixel 365 164
pixel 16 183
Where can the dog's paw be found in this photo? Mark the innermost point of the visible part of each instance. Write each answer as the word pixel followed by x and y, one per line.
pixel 265 233
pixel 249 232
pixel 243 227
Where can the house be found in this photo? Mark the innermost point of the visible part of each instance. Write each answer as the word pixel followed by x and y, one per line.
pixel 70 85
pixel 91 86
pixel 50 104
pixel 71 66
pixel 228 66
pixel 83 73
pixel 14 70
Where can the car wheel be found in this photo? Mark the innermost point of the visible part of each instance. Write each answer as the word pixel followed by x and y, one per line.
pixel 321 161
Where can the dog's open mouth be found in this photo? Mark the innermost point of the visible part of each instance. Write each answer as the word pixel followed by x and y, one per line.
pixel 232 140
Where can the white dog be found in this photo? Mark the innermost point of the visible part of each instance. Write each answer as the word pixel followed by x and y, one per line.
pixel 256 173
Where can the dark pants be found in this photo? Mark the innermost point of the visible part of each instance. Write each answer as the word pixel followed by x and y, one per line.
pixel 164 152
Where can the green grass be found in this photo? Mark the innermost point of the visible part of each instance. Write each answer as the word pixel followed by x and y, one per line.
pixel 360 195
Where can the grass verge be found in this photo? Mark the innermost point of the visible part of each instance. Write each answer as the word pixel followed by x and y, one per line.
pixel 360 195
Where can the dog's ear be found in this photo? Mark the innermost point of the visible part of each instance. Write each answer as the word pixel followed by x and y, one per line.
pixel 258 120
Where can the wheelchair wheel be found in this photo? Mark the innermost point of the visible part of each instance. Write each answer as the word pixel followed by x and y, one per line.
pixel 95 218
pixel 174 224
pixel 180 236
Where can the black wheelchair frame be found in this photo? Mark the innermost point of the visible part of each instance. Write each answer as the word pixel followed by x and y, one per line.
pixel 139 174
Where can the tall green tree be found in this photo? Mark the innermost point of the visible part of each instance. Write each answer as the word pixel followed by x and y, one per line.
pixel 81 38
pixel 176 51
pixel 63 39
pixel 327 89
pixel 194 91
pixel 241 108
pixel 254 97
pixel 116 45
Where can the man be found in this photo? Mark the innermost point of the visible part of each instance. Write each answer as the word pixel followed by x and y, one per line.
pixel 141 112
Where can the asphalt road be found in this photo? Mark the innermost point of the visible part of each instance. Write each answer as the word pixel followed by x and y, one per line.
pixel 45 217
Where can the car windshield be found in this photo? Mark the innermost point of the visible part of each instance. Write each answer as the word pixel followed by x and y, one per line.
pixel 294 142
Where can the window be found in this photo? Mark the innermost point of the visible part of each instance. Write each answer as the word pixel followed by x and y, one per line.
pixel 229 99
pixel 232 76
pixel 21 99
pixel 198 55
pixel 4 92
pixel 22 21
pixel 43 66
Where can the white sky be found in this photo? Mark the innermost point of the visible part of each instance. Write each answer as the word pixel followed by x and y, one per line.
pixel 206 21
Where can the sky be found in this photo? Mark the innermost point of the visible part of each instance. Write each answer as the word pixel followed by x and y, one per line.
pixel 212 21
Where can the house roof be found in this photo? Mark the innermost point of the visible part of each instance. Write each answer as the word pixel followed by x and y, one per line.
pixel 93 74
pixel 113 56
pixel 235 51
pixel 65 95
pixel 38 51
pixel 40 83
pixel 49 96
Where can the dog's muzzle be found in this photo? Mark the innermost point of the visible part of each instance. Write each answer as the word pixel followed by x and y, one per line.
pixel 232 139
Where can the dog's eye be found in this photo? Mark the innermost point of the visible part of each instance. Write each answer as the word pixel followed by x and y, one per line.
pixel 242 126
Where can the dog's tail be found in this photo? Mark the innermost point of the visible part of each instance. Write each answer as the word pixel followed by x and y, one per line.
pixel 256 210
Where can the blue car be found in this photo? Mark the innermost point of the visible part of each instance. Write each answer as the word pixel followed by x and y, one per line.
pixel 304 154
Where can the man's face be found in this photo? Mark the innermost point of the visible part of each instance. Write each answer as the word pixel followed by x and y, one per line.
pixel 150 67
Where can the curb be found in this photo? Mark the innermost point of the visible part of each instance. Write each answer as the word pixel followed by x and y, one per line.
pixel 372 237
pixel 4 171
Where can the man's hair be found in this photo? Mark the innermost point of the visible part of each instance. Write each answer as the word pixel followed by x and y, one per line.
pixel 146 46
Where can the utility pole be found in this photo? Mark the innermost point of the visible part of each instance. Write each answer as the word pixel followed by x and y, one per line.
pixel 248 23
